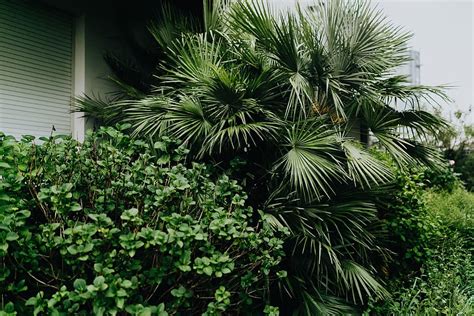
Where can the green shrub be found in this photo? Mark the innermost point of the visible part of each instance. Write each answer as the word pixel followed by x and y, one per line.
pixel 271 90
pixel 455 210
pixel 465 167
pixel 445 285
pixel 442 179
pixel 464 164
pixel 411 229
pixel 118 225
pixel 434 228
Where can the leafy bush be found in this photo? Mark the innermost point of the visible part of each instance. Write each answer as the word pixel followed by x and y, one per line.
pixel 444 287
pixel 442 179
pixel 465 167
pixel 433 228
pixel 412 230
pixel 294 95
pixel 117 225
pixel 455 210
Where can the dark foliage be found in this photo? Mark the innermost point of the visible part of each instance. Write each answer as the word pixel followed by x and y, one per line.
pixel 117 225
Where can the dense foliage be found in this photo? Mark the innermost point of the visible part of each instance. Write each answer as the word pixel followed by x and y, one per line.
pixel 433 236
pixel 117 225
pixel 443 286
pixel 458 144
pixel 412 229
pixel 456 211
pixel 464 164
pixel 294 97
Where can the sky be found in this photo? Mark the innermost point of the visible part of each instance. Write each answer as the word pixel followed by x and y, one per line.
pixel 444 36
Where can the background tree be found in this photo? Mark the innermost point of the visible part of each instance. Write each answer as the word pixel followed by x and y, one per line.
pixel 457 143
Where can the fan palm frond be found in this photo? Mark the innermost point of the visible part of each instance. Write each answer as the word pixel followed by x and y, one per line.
pixel 421 121
pixel 330 248
pixel 314 303
pixel 241 130
pixel 397 88
pixel 307 161
pixel 187 121
pixel 193 59
pixel 364 169
pixel 214 11
pixel 107 112
pixel 171 24
pixel 255 18
pixel 128 77
pixel 425 154
pixel 147 116
pixel 360 282
pixel 278 39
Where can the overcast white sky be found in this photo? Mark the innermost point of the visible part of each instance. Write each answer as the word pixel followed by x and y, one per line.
pixel 444 36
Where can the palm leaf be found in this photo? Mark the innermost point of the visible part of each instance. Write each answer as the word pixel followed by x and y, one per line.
pixel 252 83
pixel 147 116
pixel 278 39
pixel 361 283
pixel 328 239
pixel 308 160
pixel 187 121
pixel 107 112
pixel 364 169
pixel 240 131
pixel 171 24
pixel 213 13
pixel 193 59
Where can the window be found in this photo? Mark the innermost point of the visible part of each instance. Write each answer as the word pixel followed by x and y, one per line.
pixel 35 69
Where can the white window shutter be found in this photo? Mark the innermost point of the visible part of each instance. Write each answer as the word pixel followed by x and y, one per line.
pixel 35 69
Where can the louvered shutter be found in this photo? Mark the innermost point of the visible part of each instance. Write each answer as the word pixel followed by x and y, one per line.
pixel 35 69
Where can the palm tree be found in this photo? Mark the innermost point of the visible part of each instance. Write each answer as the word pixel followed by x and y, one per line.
pixel 284 93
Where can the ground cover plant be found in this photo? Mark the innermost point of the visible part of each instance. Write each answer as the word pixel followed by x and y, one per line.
pixel 118 226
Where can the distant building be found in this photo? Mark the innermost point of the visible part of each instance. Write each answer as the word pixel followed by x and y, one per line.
pixel 412 68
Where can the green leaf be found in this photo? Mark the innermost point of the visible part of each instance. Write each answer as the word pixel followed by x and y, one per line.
pixel 163 159
pixel 80 285
pixel 11 236
pixel 75 207
pixel 207 270
pixel 4 247
pixel 161 146
pixel 120 302
pixel 4 165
